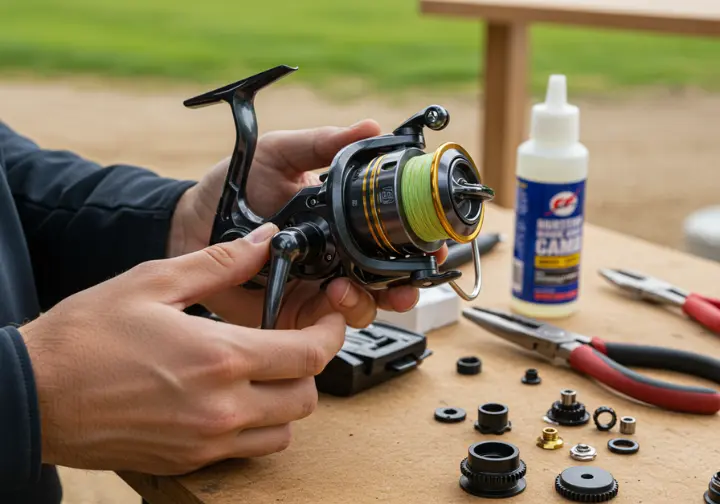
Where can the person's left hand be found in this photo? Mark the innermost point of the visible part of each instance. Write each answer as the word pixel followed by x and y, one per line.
pixel 283 164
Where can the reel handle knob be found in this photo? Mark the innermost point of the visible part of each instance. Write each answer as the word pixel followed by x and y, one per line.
pixel 289 246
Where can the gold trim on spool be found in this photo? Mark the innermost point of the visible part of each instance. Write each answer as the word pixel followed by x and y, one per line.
pixel 437 202
pixel 380 226
pixel 370 167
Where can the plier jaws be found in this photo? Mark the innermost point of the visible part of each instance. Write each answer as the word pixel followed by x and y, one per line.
pixel 548 340
pixel 703 309
pixel 645 287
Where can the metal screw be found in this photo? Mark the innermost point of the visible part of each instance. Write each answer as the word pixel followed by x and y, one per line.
pixel 328 257
pixel 432 116
pixel 312 202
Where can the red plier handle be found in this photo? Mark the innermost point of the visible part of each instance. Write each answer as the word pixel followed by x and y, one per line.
pixel 704 310
pixel 606 362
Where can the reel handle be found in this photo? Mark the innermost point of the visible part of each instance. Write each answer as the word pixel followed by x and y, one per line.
pixel 233 211
pixel 291 245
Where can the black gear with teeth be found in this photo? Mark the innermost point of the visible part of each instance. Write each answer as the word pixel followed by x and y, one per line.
pixel 586 484
pixel 493 469
pixel 570 415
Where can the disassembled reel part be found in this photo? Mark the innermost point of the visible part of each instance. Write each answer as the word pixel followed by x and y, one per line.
pixel 450 415
pixel 531 377
pixel 712 495
pixel 469 365
pixel 583 452
pixel 493 419
pixel 494 470
pixel 608 425
pixel 586 484
pixel 550 439
pixel 623 446
pixel 567 411
pixel 379 212
pixel 627 425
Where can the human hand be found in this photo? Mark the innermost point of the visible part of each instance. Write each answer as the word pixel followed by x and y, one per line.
pixel 127 381
pixel 283 164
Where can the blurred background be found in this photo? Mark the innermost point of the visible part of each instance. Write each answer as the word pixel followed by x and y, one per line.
pixel 107 80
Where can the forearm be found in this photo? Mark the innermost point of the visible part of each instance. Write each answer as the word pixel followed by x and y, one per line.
pixel 85 223
pixel 20 456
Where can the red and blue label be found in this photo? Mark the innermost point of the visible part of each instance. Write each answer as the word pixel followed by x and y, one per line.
pixel 548 240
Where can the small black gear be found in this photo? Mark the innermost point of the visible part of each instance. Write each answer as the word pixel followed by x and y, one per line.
pixel 586 484
pixel 493 470
pixel 712 495
pixel 568 411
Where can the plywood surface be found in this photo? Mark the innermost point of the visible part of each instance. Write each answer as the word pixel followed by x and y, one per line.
pixel 699 17
pixel 384 446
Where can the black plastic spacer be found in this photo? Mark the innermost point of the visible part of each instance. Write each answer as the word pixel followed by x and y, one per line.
pixel 470 365
pixel 531 377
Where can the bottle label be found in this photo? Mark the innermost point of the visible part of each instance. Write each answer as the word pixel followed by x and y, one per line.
pixel 548 240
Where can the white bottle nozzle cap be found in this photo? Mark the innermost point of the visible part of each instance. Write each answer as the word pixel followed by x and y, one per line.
pixel 556 95
pixel 555 121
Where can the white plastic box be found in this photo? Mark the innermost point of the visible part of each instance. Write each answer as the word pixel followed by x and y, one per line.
pixel 437 307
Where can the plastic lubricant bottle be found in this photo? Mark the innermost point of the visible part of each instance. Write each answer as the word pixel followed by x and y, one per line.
pixel 552 167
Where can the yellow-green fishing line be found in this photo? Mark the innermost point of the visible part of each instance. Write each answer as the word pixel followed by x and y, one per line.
pixel 417 199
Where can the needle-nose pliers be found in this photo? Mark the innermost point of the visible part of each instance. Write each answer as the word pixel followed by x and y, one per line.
pixel 606 362
pixel 703 309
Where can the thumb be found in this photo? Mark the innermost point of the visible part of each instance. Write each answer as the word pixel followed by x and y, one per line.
pixel 311 149
pixel 197 275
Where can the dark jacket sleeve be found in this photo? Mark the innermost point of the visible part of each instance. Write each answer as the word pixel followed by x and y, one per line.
pixel 85 223
pixel 20 436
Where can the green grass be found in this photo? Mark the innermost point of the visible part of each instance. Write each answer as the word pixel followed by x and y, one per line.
pixel 385 43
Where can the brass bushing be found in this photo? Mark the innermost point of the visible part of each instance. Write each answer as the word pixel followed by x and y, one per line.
pixel 550 439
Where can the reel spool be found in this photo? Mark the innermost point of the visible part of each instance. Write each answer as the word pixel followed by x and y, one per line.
pixel 382 207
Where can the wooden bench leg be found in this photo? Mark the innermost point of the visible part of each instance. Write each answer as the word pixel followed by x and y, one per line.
pixel 506 99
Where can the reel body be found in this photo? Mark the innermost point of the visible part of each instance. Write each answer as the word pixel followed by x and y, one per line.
pixel 381 209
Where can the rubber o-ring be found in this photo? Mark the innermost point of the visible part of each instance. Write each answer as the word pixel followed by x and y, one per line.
pixel 604 426
pixel 470 365
pixel 623 446
pixel 450 415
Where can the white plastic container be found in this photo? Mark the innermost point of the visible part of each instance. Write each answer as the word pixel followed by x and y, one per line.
pixel 552 168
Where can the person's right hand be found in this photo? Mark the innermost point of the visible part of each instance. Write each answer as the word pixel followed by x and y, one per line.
pixel 127 381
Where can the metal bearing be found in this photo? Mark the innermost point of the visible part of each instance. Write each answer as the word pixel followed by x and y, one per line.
pixel 450 415
pixel 627 425
pixel 604 426
pixel 623 446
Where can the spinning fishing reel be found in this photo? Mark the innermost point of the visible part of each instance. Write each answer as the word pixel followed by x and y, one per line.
pixel 381 209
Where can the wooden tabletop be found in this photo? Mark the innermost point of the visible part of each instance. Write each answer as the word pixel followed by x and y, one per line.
pixel 385 446
pixel 697 17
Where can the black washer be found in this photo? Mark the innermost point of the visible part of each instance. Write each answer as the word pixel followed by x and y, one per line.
pixel 623 446
pixel 604 426
pixel 470 365
pixel 450 415
pixel 586 484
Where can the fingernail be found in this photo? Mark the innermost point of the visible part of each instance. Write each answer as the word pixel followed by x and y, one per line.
pixel 350 298
pixel 263 233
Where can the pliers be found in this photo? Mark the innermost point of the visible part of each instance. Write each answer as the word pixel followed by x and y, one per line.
pixel 702 309
pixel 606 361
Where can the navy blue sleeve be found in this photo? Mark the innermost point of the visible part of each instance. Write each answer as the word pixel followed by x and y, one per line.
pixel 20 443
pixel 85 223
